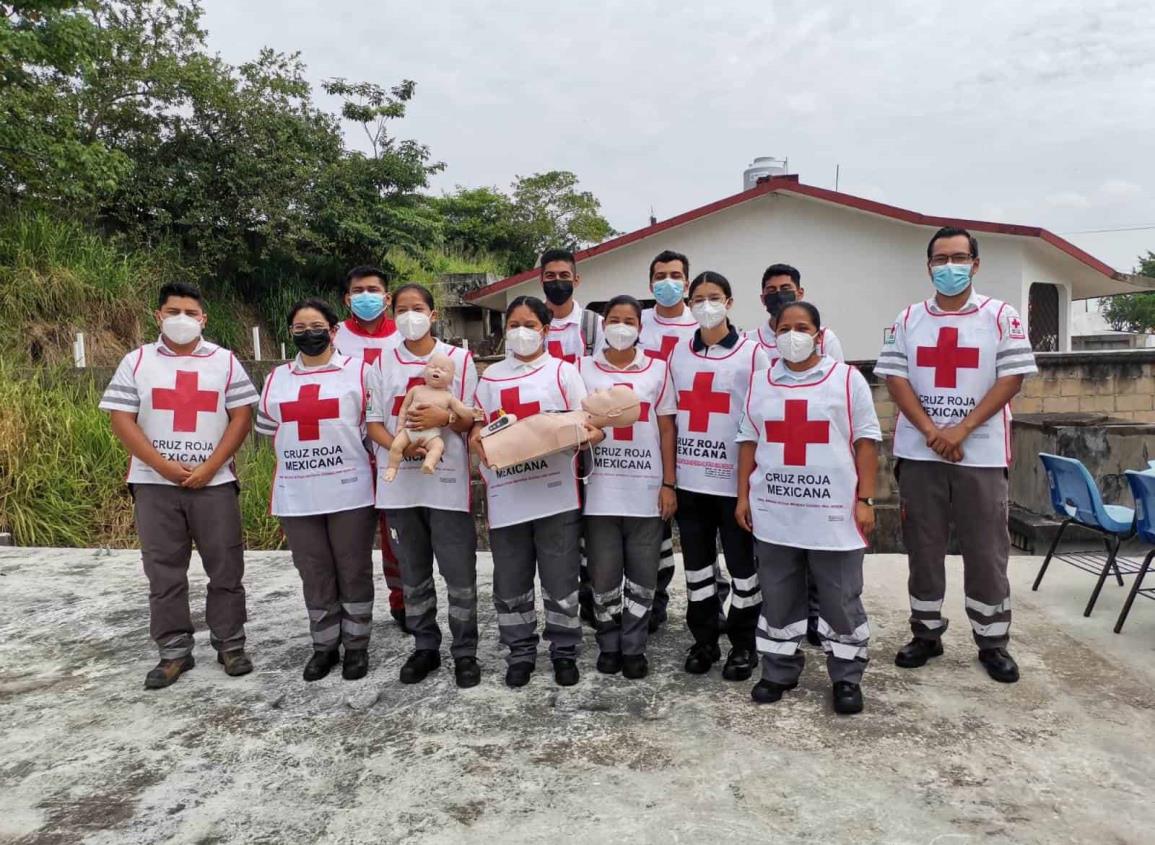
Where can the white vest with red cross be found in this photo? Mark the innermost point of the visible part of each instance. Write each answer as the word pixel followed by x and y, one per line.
pixel 541 487
pixel 182 408
pixel 710 393
pixel 951 364
pixel 352 340
pixel 804 485
pixel 448 487
pixel 769 342
pixel 659 336
pixel 626 473
pixel 322 463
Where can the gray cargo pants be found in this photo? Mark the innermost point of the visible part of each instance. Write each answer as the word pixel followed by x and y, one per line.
pixel 169 520
pixel 425 534
pixel 548 546
pixel 333 553
pixel 935 495
pixel 620 546
pixel 783 573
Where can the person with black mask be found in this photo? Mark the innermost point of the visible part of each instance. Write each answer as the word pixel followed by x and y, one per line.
pixel 574 332
pixel 313 407
pixel 781 285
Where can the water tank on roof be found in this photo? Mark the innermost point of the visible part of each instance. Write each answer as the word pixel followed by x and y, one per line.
pixel 763 167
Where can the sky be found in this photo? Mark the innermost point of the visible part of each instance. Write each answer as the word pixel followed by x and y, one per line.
pixel 1034 113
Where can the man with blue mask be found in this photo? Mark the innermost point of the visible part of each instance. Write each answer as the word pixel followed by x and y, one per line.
pixel 367 333
pixel 952 365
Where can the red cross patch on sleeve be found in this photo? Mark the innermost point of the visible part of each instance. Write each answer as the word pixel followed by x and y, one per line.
pixel 888 334
pixel 1015 329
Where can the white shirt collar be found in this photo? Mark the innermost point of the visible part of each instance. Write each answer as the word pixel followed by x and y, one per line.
pixel 336 362
pixel 516 365
pixel 638 363
pixel 203 347
pixel 780 372
pixel 973 303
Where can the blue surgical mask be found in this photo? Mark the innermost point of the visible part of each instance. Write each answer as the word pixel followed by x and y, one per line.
pixel 367 306
pixel 951 279
pixel 669 292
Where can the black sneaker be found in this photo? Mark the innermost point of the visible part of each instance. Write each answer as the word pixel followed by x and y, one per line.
pixel 767 692
pixel 565 672
pixel 320 664
pixel 419 665
pixel 999 665
pixel 355 664
pixel 466 671
pixel 916 652
pixel 635 666
pixel 740 664
pixel 847 698
pixel 517 675
pixel 610 662
pixel 701 657
pixel 167 672
pixel 398 614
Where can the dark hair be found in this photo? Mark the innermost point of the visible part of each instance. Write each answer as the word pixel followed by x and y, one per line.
pixel 533 304
pixel 557 255
pixel 669 255
pixel 952 232
pixel 782 270
pixel 714 279
pixel 623 299
pixel 811 311
pixel 365 271
pixel 185 289
pixel 318 305
pixel 421 289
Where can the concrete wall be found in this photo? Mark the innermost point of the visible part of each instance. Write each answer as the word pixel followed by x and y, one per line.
pixel 1119 384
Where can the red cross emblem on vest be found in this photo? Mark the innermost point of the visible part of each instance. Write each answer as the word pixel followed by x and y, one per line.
pixel 185 400
pixel 947 357
pixel 627 432
pixel 398 401
pixel 669 341
pixel 511 404
pixel 308 410
pixel 701 401
pixel 555 349
pixel 796 431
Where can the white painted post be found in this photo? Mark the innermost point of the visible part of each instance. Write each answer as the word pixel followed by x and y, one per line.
pixel 79 359
pixel 256 343
pixel 283 358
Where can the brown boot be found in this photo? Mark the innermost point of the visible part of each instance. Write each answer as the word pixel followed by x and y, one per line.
pixel 236 662
pixel 167 671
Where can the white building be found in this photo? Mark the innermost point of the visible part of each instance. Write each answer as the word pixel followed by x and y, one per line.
pixel 861 262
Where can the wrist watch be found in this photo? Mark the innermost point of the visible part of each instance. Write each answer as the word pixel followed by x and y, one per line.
pixel 867 500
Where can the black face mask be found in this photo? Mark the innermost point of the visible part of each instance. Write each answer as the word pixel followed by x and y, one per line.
pixel 778 300
pixel 312 342
pixel 558 291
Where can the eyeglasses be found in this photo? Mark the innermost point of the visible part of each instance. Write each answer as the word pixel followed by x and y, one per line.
pixel 698 300
pixel 301 328
pixel 957 258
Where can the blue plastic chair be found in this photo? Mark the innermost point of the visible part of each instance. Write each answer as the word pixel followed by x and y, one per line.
pixel 1076 498
pixel 1143 489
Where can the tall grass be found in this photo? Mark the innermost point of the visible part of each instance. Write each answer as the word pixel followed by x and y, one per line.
pixel 62 471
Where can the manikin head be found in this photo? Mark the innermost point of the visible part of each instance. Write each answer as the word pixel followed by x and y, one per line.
pixel 439 372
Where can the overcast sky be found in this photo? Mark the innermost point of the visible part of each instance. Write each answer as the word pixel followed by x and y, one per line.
pixel 1037 113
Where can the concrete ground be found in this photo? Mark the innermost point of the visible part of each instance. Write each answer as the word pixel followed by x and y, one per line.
pixel 942 754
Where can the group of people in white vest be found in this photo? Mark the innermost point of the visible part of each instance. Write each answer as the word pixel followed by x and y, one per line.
pixel 762 444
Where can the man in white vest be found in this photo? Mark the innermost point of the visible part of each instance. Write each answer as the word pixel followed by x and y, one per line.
pixel 182 408
pixel 952 365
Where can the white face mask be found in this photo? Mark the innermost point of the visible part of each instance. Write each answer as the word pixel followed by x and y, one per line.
pixel 413 325
pixel 795 347
pixel 181 328
pixel 621 336
pixel 523 341
pixel 709 313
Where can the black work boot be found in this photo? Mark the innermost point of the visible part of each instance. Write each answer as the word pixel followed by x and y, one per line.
pixel 565 671
pixel 916 652
pixel 236 662
pixel 320 664
pixel 466 672
pixel 355 664
pixel 999 665
pixel 740 664
pixel 847 698
pixel 767 692
pixel 419 665
pixel 517 675
pixel 701 657
pixel 635 666
pixel 167 672
pixel 610 662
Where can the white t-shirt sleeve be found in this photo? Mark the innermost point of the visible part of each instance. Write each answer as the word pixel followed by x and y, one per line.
pixel 121 393
pixel 265 425
pixel 240 391
pixel 667 402
pixel 892 359
pixel 832 346
pixel 746 431
pixel 865 418
pixel 1014 356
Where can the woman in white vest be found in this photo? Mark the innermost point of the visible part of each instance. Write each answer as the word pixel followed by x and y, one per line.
pixel 711 373
pixel 629 492
pixel 807 467
pixel 431 515
pixel 314 409
pixel 534 510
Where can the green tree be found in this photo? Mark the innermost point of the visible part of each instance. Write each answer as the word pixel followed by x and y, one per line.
pixel 553 212
pixel 1132 312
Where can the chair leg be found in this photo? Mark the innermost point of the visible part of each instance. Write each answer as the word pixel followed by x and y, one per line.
pixel 1134 591
pixel 1050 553
pixel 1114 550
